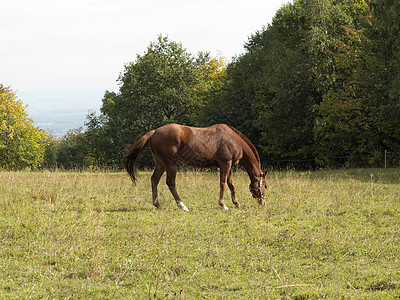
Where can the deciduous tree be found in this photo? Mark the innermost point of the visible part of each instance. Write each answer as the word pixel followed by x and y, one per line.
pixel 158 88
pixel 22 145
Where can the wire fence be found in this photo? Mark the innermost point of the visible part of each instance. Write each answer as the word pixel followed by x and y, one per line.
pixel 380 159
pixel 391 159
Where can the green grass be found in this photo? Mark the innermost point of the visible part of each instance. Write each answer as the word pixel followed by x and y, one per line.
pixel 325 234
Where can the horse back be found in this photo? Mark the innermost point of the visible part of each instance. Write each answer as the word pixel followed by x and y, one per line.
pixel 198 147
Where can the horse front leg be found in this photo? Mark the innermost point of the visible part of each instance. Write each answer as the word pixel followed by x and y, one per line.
pixel 224 171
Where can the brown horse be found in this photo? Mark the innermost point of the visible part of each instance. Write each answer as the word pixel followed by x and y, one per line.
pixel 219 146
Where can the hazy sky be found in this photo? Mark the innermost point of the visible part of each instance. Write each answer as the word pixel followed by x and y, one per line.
pixel 65 53
pixel 84 44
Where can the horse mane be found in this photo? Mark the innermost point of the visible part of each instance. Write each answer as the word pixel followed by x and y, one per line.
pixel 250 144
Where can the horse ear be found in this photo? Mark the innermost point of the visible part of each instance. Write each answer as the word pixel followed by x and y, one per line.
pixel 265 172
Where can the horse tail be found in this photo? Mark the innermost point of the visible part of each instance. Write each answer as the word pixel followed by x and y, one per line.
pixel 133 152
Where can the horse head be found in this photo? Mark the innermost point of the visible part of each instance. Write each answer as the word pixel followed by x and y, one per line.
pixel 259 187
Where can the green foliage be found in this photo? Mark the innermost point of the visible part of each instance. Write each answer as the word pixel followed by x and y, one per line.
pixel 212 77
pixel 351 125
pixel 157 89
pixel 21 144
pixel 71 153
pixel 314 88
pixel 51 154
pixel 95 141
pixel 345 127
pixel 318 87
pixel 164 85
pixel 158 85
pixel 385 93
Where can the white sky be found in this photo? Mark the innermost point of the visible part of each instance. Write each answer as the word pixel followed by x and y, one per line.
pixel 84 44
pixel 62 55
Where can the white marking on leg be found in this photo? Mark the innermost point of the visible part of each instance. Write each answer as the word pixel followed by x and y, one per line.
pixel 222 204
pixel 181 205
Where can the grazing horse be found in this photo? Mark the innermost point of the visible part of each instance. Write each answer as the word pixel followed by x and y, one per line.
pixel 219 146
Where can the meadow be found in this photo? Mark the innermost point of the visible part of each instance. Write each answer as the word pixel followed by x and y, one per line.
pixel 92 235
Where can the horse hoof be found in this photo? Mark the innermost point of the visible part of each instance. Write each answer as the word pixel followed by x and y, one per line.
pixel 225 207
pixel 182 206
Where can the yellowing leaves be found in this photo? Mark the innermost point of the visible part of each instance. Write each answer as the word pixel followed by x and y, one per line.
pixel 212 74
pixel 21 144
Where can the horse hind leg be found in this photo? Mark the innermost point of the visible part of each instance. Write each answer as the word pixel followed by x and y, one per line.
pixel 232 188
pixel 155 179
pixel 171 176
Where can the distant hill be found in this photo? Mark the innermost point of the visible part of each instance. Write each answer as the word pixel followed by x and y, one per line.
pixel 59 122
pixel 58 111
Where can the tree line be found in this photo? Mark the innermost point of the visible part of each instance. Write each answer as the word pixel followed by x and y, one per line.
pixel 318 87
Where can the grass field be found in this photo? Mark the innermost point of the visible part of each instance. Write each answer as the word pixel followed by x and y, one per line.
pixel 324 234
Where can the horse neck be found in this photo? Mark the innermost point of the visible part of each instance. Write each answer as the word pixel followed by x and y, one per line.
pixel 251 164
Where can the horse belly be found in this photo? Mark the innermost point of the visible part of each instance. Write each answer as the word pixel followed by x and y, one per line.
pixel 198 158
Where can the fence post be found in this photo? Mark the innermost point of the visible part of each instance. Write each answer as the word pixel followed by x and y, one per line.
pixel 385 157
